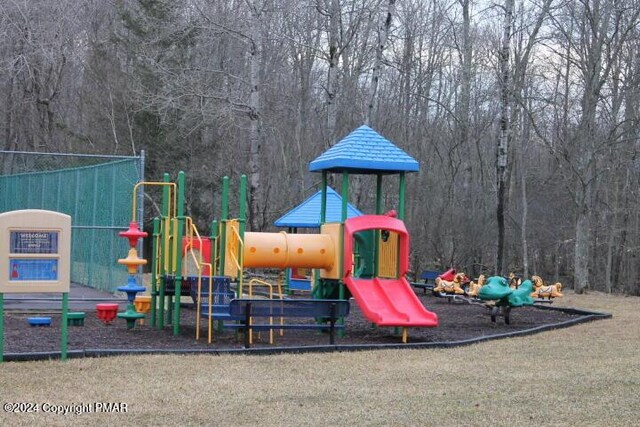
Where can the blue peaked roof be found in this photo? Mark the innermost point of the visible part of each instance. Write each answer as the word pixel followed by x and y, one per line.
pixel 307 213
pixel 364 151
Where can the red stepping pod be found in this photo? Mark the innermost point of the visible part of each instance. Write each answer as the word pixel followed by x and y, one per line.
pixel 133 234
pixel 106 312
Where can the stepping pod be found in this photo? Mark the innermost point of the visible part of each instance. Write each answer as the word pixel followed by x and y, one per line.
pixel 106 312
pixel 39 321
pixel 75 318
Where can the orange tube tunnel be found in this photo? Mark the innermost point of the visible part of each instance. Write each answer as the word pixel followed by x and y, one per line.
pixel 283 250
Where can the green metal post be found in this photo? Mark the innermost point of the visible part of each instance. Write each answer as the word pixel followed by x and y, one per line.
pixel 377 233
pixel 1 327
pixel 170 268
pixel 224 216
pixel 169 319
pixel 379 195
pixel 401 197
pixel 154 266
pixel 94 210
pixel 178 245
pixel 165 249
pixel 401 212
pixel 323 219
pixel 345 194
pixel 345 201
pixel 65 310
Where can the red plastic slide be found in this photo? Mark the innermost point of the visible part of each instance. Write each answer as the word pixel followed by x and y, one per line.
pixel 385 302
pixel 390 302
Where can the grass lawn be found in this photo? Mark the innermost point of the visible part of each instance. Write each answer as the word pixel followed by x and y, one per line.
pixel 585 375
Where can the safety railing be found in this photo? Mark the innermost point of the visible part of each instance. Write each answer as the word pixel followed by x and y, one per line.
pixel 258 282
pixel 237 261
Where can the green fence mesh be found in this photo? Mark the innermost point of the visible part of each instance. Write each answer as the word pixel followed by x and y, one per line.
pixel 98 199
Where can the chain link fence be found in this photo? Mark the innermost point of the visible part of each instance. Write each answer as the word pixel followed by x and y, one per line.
pixel 96 191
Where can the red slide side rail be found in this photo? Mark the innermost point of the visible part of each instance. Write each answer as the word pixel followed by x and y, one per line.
pixel 375 222
pixel 385 302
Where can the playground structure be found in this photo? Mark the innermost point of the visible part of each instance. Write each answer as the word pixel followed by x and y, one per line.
pixel 376 257
pixel 365 257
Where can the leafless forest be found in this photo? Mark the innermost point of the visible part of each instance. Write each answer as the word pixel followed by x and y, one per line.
pixel 523 114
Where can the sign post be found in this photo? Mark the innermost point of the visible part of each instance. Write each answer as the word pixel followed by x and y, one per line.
pixel 35 256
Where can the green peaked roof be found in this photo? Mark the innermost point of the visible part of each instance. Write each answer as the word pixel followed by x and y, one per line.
pixel 364 151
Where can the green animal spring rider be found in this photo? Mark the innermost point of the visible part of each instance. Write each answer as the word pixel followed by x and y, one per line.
pixel 497 289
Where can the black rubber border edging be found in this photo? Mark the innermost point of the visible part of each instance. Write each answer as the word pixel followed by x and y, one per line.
pixel 585 316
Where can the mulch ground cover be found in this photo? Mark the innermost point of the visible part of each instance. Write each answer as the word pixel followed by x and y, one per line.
pixel 458 321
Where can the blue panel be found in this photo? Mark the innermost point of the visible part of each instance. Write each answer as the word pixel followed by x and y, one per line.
pixel 365 151
pixel 300 284
pixel 33 269
pixel 307 213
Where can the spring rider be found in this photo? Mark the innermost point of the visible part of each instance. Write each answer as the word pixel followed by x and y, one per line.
pixel 132 262
pixel 497 289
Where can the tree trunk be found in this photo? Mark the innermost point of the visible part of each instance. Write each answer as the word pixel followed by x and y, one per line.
pixel 255 136
pixel 301 125
pixel 407 64
pixel 503 140
pixel 8 130
pixel 465 90
pixel 332 77
pixel 525 205
pixel 581 256
pixel 383 32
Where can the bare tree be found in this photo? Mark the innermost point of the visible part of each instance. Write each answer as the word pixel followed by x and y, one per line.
pixel 601 28
pixel 383 32
pixel 40 41
pixel 503 139
pixel 255 139
pixel 332 10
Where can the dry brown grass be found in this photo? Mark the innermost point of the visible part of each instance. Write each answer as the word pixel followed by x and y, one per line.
pixel 586 375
